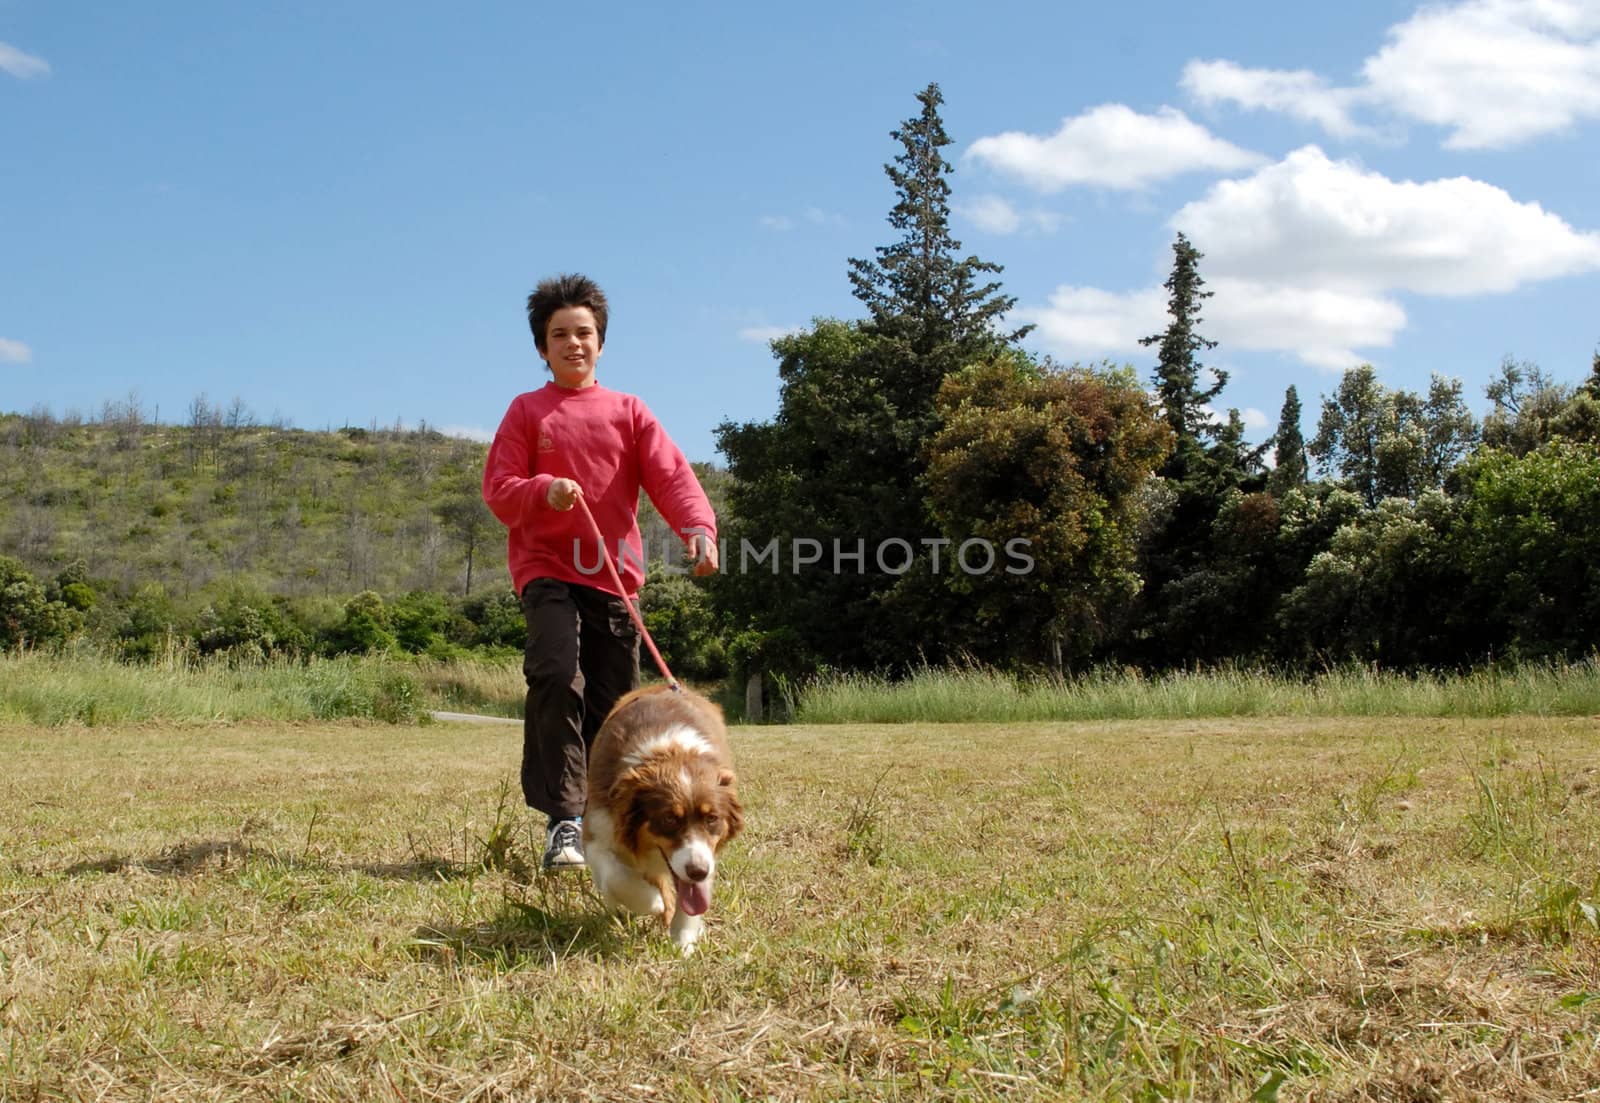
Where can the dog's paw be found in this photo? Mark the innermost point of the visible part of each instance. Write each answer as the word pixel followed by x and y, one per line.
pixel 686 932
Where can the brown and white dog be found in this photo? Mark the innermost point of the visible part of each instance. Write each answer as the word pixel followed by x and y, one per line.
pixel 662 801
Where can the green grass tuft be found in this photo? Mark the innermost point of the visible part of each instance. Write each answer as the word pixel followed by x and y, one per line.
pixel 969 695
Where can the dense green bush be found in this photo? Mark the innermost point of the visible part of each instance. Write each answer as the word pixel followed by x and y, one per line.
pixel 366 625
pixel 420 620
pixel 1531 545
pixel 492 618
pixel 28 617
pixel 684 626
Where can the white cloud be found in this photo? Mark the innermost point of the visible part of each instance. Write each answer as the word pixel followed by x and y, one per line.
pixel 1111 146
pixel 1298 93
pixel 1308 221
pixel 1250 416
pixel 1082 323
pixel 1309 256
pixel 1495 72
pixel 816 216
pixel 1322 326
pixel 14 352
pixel 767 334
pixel 994 215
pixel 21 65
pixel 468 432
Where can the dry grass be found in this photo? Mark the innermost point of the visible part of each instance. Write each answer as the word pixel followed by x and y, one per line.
pixel 1347 910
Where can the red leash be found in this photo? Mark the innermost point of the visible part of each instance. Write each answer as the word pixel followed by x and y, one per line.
pixel 616 580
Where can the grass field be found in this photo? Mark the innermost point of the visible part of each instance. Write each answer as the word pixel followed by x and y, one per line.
pixel 1341 909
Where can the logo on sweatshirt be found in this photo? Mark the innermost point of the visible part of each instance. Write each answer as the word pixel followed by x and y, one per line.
pixel 545 443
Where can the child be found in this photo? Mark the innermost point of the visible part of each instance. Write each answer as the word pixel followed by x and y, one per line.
pixel 575 439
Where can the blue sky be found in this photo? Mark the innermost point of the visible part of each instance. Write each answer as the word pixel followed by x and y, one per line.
pixel 335 211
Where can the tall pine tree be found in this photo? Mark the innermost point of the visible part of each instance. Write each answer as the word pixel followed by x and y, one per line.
pixel 919 287
pixel 1187 611
pixel 1289 448
pixel 1178 370
pixel 842 462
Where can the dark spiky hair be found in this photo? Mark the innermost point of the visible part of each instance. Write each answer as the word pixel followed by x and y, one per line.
pixel 567 289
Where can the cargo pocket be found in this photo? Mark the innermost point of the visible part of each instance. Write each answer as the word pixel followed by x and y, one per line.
pixel 620 622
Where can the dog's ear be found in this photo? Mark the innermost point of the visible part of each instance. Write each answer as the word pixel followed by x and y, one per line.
pixel 726 777
pixel 626 784
pixel 626 803
pixel 734 813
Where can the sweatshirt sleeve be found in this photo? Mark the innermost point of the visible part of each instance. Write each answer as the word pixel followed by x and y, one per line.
pixel 511 493
pixel 669 480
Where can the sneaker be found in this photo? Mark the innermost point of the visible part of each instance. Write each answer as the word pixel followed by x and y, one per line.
pixel 563 846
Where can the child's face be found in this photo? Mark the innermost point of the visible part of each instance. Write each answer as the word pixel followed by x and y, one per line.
pixel 572 347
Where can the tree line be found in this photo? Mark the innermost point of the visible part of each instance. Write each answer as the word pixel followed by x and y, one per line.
pixel 1159 536
pixel 1405 532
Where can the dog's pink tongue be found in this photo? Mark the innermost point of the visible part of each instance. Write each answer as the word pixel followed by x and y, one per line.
pixel 694 897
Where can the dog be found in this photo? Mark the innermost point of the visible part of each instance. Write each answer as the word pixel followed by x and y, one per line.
pixel 663 799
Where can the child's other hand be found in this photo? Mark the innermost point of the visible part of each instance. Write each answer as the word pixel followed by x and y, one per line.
pixel 563 494
pixel 703 554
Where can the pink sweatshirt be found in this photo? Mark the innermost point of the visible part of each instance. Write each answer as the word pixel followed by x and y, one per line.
pixel 610 444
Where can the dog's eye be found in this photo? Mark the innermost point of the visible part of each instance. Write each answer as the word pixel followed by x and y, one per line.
pixel 713 823
pixel 668 824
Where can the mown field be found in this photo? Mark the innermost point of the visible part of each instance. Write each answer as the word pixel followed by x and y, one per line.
pixel 1306 908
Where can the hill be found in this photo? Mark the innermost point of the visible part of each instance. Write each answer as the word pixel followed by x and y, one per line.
pixel 225 506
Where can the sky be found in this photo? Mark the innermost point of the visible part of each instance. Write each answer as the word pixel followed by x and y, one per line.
pixel 334 213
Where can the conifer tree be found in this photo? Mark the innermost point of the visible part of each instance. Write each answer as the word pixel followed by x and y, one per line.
pixel 1177 374
pixel 843 460
pixel 1289 448
pixel 919 287
pixel 1183 612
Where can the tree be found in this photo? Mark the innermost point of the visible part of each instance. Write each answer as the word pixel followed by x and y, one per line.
pixel 493 618
pixel 149 623
pixel 1210 464
pixel 683 624
pixel 1531 539
pixel 1579 418
pixel 1392 443
pixel 420 620
pixel 834 465
pixel 465 515
pixel 1526 402
pixel 366 625
pixel 838 471
pixel 248 624
pixel 1388 588
pixel 1221 607
pixel 1178 370
pixel 1038 470
pixel 28 618
pixel 1289 448
pixel 917 286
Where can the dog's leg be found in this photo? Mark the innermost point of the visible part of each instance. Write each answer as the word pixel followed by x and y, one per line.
pixel 669 897
pixel 620 886
pixel 686 931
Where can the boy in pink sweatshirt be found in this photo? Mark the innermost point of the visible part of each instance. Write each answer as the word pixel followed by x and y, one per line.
pixel 574 439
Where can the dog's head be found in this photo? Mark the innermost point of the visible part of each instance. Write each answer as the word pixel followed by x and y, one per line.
pixel 679 801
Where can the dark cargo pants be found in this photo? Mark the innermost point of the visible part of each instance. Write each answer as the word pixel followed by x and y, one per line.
pixel 582 655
